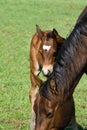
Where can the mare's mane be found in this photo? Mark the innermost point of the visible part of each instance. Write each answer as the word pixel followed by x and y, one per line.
pixel 82 14
pixel 68 68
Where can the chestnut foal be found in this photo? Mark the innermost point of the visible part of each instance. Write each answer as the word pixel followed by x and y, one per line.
pixel 43 50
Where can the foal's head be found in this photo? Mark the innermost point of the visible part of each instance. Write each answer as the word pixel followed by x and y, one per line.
pixel 51 41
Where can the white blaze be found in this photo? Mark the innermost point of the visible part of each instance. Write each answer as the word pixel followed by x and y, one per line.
pixel 46 47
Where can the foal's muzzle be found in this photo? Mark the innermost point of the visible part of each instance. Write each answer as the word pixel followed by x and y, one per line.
pixel 47 70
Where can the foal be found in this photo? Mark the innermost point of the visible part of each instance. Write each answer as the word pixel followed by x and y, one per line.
pixel 43 51
pixel 55 94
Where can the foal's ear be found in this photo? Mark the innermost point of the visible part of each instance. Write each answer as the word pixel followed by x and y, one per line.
pixel 60 39
pixel 55 33
pixel 39 31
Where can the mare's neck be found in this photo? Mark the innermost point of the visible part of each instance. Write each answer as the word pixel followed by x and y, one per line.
pixel 71 61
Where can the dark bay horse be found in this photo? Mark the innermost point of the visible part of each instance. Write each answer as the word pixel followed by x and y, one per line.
pixel 53 116
pixel 43 50
pixel 54 105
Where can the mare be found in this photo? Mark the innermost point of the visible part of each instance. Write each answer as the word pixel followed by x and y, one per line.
pixel 54 107
pixel 43 50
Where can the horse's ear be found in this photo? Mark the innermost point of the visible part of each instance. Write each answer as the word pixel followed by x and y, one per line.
pixel 39 31
pixel 55 33
pixel 53 85
pixel 60 40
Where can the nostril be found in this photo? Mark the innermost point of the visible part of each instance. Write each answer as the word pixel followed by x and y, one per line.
pixel 46 73
pixel 47 70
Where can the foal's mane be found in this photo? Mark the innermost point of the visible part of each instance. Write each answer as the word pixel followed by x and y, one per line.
pixel 67 69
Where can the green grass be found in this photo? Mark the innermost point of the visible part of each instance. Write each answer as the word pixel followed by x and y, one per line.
pixel 17 25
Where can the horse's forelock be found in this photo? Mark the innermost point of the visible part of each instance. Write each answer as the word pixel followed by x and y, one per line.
pixel 51 35
pixel 45 90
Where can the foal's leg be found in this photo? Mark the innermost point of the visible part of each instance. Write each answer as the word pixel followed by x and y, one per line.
pixel 74 123
pixel 35 82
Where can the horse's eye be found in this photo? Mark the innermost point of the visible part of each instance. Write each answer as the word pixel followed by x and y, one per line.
pixel 54 54
pixel 50 115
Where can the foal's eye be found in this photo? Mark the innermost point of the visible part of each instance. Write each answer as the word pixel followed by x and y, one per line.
pixel 50 115
pixel 54 54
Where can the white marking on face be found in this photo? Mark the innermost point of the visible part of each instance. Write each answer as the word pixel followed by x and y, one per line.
pixel 46 47
pixel 47 69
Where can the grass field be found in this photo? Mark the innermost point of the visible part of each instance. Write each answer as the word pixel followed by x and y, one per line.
pixel 17 25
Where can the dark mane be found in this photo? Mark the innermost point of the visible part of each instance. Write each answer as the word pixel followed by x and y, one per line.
pixel 70 46
pixel 49 34
pixel 82 14
pixel 70 64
